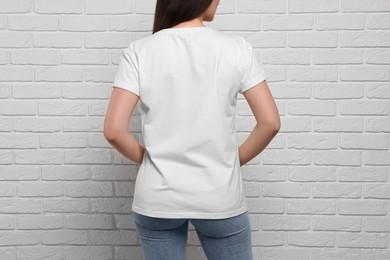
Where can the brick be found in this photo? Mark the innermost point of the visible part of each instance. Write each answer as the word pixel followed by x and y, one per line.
pixel 362 174
pixel 32 23
pixel 20 205
pixel 288 23
pixel 274 206
pixel 67 237
pixel 376 191
pixel 361 240
pixel 63 140
pixel 58 7
pixel 342 124
pixel 110 205
pixel 40 189
pixel 338 91
pixel 92 252
pixel 295 124
pixel 7 189
pixel 339 253
pixel 283 91
pixel 253 6
pixel 36 91
pixel 361 73
pixel 238 22
pixel 6 157
pixel 40 252
pixel 377 158
pixel 5 91
pixel 74 23
pixel 12 6
pixel 378 21
pixel 315 108
pixel 366 39
pixel 312 142
pixel 285 253
pixel 18 141
pixel 380 91
pixel 7 222
pixel 307 6
pixel 126 189
pixel 91 189
pixel 89 221
pixel 312 174
pixel 84 91
pixel 284 57
pixel 104 7
pixel 340 22
pixel 335 223
pixel 362 207
pixel 16 40
pixel 66 205
pixel 336 190
pixel 125 222
pixel 267 239
pixel 286 223
pixel 8 253
pixel 286 190
pixel 39 156
pixel 56 40
pixel 64 172
pixel 18 107
pixel 324 239
pixel 339 158
pixel 61 108
pixel 89 124
pixel 313 74
pixel 40 222
pixel 114 237
pixel 113 173
pixel 365 6
pixel 19 172
pixel 288 157
pixel 317 207
pixel 377 142
pixel 85 156
pixel 9 238
pixel 37 124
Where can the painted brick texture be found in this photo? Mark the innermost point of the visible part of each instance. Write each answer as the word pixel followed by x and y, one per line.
pixel 319 191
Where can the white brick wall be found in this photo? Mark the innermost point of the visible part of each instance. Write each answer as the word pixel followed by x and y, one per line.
pixel 319 191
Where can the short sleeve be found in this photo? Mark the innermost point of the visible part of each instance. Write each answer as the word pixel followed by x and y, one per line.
pixel 126 76
pixel 252 71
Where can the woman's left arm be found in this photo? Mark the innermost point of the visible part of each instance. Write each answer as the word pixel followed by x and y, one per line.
pixel 116 122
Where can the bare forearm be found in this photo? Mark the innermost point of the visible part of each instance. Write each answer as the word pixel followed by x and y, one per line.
pixel 128 146
pixel 256 142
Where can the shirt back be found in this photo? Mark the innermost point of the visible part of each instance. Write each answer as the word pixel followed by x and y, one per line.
pixel 188 80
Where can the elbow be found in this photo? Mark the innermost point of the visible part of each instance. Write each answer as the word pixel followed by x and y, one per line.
pixel 272 125
pixel 276 126
pixel 110 134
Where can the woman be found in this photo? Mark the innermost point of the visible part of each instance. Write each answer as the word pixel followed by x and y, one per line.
pixel 187 77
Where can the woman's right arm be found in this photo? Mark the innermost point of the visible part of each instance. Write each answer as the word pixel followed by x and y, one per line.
pixel 267 116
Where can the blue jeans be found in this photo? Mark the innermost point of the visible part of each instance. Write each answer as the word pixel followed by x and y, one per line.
pixel 166 239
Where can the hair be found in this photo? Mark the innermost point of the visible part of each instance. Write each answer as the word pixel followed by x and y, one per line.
pixel 169 13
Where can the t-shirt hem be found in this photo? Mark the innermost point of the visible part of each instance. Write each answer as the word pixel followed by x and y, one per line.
pixel 188 215
pixel 250 84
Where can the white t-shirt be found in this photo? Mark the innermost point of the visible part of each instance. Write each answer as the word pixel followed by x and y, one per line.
pixel 188 80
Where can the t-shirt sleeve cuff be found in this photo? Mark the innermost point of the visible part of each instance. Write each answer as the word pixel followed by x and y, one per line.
pixel 251 83
pixel 126 86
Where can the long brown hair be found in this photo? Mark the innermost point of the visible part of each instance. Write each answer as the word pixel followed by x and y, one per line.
pixel 169 13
